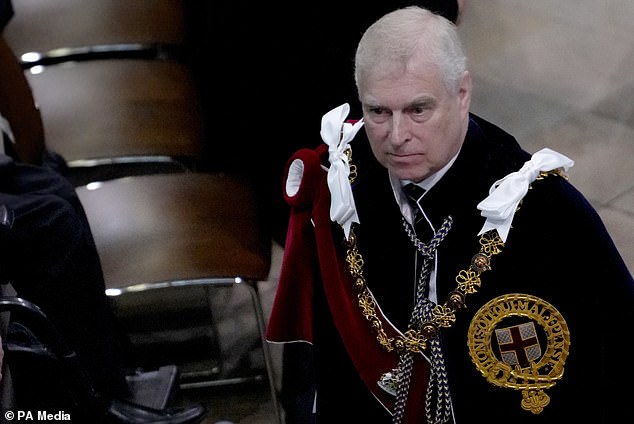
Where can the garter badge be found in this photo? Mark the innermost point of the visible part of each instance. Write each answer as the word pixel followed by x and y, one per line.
pixel 521 342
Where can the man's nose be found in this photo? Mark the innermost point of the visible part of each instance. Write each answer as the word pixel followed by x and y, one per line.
pixel 400 131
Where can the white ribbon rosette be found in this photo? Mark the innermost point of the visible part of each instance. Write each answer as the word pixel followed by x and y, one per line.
pixel 337 134
pixel 505 194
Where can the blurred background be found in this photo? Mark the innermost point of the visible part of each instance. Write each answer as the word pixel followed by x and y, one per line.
pixel 557 74
pixel 560 75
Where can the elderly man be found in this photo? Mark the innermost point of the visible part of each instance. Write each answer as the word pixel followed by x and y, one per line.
pixel 445 274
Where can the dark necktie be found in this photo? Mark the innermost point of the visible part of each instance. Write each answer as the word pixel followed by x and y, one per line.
pixel 414 194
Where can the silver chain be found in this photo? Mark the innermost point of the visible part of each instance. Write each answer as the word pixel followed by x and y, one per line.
pixel 438 385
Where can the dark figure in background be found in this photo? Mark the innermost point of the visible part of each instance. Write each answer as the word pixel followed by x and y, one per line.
pixel 446 275
pixel 48 255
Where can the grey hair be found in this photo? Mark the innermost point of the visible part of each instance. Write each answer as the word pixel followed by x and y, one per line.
pixel 403 34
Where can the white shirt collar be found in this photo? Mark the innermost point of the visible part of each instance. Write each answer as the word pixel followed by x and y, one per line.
pixel 427 184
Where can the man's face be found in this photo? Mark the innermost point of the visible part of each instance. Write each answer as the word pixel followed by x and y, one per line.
pixel 414 124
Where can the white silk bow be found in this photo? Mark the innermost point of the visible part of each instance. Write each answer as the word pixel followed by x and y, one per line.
pixel 505 194
pixel 337 134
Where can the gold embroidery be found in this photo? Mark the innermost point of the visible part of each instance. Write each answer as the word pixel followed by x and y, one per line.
pixel 557 171
pixel 539 374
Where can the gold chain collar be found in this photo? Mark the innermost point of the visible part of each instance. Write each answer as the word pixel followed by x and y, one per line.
pixel 443 316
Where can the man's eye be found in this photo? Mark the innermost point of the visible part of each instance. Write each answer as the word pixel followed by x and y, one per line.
pixel 421 113
pixel 377 110
pixel 421 109
pixel 378 114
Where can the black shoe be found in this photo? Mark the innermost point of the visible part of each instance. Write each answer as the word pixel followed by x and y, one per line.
pixel 124 412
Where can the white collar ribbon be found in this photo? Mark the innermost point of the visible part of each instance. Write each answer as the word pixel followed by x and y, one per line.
pixel 505 194
pixel 337 134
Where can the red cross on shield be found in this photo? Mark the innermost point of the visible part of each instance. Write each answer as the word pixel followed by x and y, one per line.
pixel 518 344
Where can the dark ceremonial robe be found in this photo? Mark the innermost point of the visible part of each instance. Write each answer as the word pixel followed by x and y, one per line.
pixel 557 250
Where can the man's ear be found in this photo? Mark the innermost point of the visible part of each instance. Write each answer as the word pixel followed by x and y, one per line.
pixel 464 92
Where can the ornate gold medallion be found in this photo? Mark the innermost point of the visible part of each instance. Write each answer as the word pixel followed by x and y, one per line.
pixel 521 342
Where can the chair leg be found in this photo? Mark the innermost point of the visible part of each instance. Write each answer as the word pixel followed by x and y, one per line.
pixel 268 361
pixel 7 400
pixel 252 287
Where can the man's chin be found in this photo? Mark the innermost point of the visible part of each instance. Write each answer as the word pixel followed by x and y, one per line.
pixel 415 176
